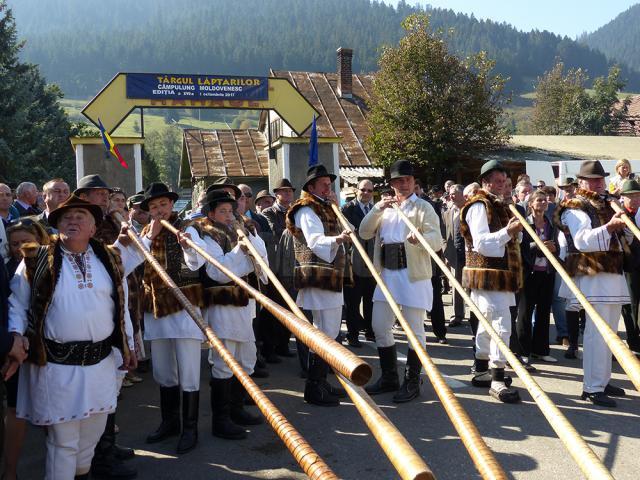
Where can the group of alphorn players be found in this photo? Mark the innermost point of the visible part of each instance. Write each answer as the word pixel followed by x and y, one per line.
pixel 193 261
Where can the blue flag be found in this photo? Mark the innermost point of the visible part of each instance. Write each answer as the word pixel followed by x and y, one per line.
pixel 313 144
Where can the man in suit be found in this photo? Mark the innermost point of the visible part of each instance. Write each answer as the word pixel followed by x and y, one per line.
pixel 454 248
pixel 26 198
pixel 55 192
pixel 363 282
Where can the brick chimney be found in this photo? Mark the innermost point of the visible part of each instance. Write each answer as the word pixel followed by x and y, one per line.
pixel 345 56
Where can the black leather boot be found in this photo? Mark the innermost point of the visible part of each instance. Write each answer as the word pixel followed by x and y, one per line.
pixel 221 424
pixel 105 463
pixel 410 388
pixel 315 389
pixel 238 414
pixel 190 407
pixel 482 375
pixel 123 453
pixel 388 381
pixel 170 413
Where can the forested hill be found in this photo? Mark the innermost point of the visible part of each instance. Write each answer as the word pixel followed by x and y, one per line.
pixel 620 38
pixel 81 44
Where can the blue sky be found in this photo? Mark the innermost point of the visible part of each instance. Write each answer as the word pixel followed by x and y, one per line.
pixel 565 17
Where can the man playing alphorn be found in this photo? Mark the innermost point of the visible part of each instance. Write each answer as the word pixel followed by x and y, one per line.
pixel 594 261
pixel 69 300
pixel 175 337
pixel 319 272
pixel 405 267
pixel 230 312
pixel 493 273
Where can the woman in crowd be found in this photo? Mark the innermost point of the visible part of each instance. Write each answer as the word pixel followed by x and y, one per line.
pixel 23 231
pixel 623 172
pixel 539 278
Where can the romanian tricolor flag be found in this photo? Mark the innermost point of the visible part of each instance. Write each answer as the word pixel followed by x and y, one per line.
pixel 110 146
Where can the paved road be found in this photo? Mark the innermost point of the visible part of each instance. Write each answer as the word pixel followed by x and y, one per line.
pixel 523 442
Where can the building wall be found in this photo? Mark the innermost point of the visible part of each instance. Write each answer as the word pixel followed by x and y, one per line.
pixel 97 160
pixel 299 162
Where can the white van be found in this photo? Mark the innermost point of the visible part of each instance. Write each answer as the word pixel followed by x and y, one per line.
pixel 549 172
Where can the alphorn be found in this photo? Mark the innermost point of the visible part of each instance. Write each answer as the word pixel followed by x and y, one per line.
pixel 625 218
pixel 305 455
pixel 344 361
pixel 628 361
pixel 406 461
pixel 583 455
pixel 480 453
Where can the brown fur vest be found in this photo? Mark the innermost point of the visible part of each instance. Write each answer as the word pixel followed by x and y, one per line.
pixel 43 265
pixel 310 270
pixel 158 298
pixel 489 273
pixel 590 263
pixel 216 293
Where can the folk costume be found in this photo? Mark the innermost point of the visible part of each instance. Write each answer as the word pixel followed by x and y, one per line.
pixel 319 274
pixel 175 338
pixel 69 384
pixel 406 270
pixel 230 315
pixel 493 273
pixel 594 261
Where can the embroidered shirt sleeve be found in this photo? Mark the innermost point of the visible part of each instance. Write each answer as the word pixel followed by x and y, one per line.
pixel 585 238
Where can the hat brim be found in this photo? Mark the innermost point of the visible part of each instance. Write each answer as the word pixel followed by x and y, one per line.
pixel 400 176
pixel 283 188
pixel 144 204
pixel 488 172
pixel 207 207
pixel 331 176
pixel 235 189
pixel 592 175
pixel 264 196
pixel 94 210
pixel 78 191
pixel 630 192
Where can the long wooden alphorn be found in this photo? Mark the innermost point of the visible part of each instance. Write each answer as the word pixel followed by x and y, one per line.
pixel 628 361
pixel 586 459
pixel 344 361
pixel 480 453
pixel 625 218
pixel 304 453
pixel 402 455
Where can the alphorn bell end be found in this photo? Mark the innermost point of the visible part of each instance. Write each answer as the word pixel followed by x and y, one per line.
pixel 362 374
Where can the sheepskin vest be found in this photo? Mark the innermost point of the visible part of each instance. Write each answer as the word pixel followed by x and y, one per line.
pixel 502 274
pixel 310 270
pixel 165 248
pixel 216 293
pixel 43 265
pixel 599 212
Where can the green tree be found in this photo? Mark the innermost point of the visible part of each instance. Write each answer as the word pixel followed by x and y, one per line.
pixel 163 148
pixel 432 107
pixel 563 106
pixel 34 128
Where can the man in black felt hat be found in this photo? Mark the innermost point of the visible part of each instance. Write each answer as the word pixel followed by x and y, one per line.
pixel 93 189
pixel 630 197
pixel 319 271
pixel 174 336
pixel 230 313
pixel 405 266
pixel 595 262
pixel 71 355
pixel 493 273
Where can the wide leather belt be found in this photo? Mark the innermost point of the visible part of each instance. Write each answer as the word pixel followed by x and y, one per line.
pixel 77 353
pixel 394 256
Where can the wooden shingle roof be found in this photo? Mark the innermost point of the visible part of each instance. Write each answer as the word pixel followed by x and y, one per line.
pixel 341 117
pixel 230 153
pixel 630 126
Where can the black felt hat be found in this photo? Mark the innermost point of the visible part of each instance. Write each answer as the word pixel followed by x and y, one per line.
pixel 223 182
pixel 401 168
pixel 215 197
pixel 74 202
pixel 591 169
pixel 89 182
pixel 157 190
pixel 263 194
pixel 568 182
pixel 283 183
pixel 491 166
pixel 317 171
pixel 135 199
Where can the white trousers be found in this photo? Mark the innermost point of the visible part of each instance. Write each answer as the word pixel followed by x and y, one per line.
pixel 176 361
pixel 487 349
pixel 243 352
pixel 596 356
pixel 382 320
pixel 328 321
pixel 70 446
